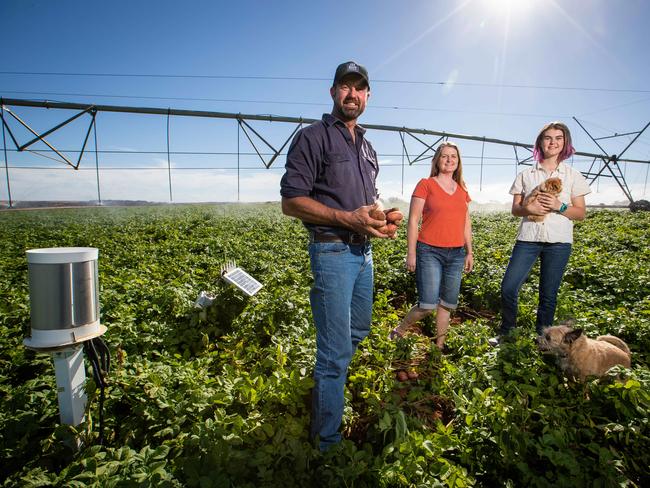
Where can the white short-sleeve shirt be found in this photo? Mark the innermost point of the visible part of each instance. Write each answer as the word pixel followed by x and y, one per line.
pixel 555 227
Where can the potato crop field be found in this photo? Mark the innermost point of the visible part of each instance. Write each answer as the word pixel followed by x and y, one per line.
pixel 223 400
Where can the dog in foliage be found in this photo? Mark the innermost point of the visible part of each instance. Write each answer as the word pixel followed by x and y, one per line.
pixel 580 356
pixel 553 186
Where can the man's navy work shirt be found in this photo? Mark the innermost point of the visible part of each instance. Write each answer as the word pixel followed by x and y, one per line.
pixel 324 163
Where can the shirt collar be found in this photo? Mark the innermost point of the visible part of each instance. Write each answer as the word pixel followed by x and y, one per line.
pixel 330 120
pixel 561 168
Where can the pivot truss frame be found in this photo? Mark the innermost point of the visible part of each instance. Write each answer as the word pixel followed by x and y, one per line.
pixel 609 164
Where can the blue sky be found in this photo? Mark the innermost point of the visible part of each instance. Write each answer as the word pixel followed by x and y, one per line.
pixel 494 68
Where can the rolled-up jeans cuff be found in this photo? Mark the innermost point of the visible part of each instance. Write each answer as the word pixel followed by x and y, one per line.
pixel 448 305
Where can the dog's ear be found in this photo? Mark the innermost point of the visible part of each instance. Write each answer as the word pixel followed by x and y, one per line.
pixel 571 336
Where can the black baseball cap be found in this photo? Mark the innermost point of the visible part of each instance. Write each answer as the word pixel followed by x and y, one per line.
pixel 350 67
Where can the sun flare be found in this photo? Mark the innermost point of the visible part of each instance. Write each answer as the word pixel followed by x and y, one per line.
pixel 510 7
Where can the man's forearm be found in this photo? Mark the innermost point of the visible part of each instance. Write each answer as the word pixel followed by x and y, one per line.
pixel 309 210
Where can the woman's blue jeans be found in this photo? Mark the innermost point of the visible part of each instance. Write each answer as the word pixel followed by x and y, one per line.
pixel 438 272
pixel 553 260
pixel 341 303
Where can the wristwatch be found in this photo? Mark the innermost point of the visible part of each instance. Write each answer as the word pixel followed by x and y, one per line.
pixel 562 208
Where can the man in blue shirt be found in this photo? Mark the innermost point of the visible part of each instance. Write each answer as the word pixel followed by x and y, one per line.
pixel 329 184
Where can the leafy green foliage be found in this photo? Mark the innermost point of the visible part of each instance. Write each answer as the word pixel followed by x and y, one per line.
pixel 223 399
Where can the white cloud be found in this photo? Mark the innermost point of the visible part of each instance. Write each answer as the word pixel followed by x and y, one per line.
pixel 610 192
pixel 490 193
pixel 606 192
pixel 254 186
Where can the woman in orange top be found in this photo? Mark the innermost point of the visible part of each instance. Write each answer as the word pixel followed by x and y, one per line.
pixel 442 248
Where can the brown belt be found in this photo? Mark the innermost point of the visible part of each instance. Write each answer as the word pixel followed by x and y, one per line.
pixel 346 237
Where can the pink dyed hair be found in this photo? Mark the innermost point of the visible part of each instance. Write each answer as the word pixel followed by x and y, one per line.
pixel 568 149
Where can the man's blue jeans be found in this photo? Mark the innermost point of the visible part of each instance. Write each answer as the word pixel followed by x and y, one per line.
pixel 553 260
pixel 341 303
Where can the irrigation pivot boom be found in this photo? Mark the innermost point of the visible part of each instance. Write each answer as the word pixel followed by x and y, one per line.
pixel 609 163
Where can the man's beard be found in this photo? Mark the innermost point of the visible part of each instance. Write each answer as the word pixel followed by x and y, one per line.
pixel 348 114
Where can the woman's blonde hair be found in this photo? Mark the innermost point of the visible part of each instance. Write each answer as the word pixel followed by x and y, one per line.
pixel 435 169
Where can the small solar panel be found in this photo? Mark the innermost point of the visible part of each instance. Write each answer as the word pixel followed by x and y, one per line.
pixel 241 279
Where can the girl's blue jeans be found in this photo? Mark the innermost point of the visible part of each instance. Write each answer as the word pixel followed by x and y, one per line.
pixel 553 260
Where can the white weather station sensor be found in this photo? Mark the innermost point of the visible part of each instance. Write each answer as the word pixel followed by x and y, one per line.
pixel 64 310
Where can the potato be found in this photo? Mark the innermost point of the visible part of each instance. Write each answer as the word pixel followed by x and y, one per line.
pixel 390 228
pixel 402 376
pixel 394 216
pixel 413 375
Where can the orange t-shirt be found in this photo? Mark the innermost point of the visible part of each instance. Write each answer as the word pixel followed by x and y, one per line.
pixel 443 215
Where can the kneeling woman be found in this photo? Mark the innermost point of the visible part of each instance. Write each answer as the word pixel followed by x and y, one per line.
pixel 442 247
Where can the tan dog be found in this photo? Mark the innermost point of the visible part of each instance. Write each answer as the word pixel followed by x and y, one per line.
pixel 579 356
pixel 552 186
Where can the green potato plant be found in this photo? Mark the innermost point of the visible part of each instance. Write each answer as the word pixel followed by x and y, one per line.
pixel 223 398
